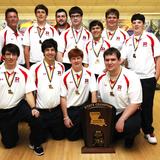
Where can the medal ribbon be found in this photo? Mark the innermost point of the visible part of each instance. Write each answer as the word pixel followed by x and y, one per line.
pixel 40 31
pixel 78 81
pixel 97 54
pixel 136 42
pixel 110 35
pixel 75 37
pixel 49 75
pixel 7 78
pixel 111 82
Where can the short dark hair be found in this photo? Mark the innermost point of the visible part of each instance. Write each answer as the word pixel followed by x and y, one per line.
pixel 61 10
pixel 112 11
pixel 49 43
pixel 95 23
pixel 138 16
pixel 10 10
pixel 74 10
pixel 41 6
pixel 111 51
pixel 10 47
pixel 75 52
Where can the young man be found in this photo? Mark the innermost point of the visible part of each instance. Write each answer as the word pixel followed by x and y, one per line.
pixel 15 84
pixel 74 37
pixel 142 52
pixel 95 48
pixel 112 32
pixel 61 21
pixel 76 84
pixel 36 34
pixel 10 33
pixel 122 89
pixel 47 75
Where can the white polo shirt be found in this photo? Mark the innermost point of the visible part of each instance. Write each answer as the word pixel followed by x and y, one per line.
pixel 127 90
pixel 47 97
pixel 7 35
pixel 117 39
pixel 32 39
pixel 94 52
pixel 68 87
pixel 22 84
pixel 142 61
pixel 68 42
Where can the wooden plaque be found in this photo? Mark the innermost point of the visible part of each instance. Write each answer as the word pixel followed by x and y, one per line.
pixel 98 128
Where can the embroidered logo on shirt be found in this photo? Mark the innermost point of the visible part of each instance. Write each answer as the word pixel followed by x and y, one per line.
pixel 118 38
pixel 144 44
pixel 16 79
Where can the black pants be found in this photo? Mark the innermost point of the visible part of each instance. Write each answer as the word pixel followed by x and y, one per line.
pixel 75 114
pixel 52 123
pixel 148 87
pixel 131 127
pixel 9 119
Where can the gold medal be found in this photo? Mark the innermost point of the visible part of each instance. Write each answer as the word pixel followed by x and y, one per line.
pixel 50 86
pixel 77 92
pixel 10 91
pixel 111 93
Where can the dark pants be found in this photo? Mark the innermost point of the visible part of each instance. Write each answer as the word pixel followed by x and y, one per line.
pixel 9 119
pixel 131 127
pixel 67 66
pixel 148 87
pixel 75 114
pixel 52 123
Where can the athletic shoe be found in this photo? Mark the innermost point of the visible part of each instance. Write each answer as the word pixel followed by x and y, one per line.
pixel 37 150
pixel 151 138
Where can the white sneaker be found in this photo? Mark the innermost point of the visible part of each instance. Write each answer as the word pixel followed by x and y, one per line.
pixel 151 138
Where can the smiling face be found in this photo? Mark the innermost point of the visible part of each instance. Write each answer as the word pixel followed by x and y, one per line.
pixel 41 15
pixel 61 18
pixel 112 21
pixel 76 63
pixel 12 20
pixel 10 59
pixel 138 27
pixel 96 32
pixel 49 55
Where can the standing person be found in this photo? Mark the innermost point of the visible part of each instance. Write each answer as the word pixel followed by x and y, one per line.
pixel 142 52
pixel 15 84
pixel 121 88
pixel 112 32
pixel 10 33
pixel 47 75
pixel 61 20
pixel 36 34
pixel 74 37
pixel 76 84
pixel 95 48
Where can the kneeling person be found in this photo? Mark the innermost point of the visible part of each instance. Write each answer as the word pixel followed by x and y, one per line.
pixel 47 75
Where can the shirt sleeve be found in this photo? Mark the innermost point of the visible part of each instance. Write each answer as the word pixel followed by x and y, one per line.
pixel 26 38
pixel 63 90
pixel 93 85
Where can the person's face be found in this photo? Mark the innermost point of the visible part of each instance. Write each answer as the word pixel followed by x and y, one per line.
pixel 96 32
pixel 41 15
pixel 76 19
pixel 76 62
pixel 112 21
pixel 138 27
pixel 112 63
pixel 12 19
pixel 49 54
pixel 10 58
pixel 61 18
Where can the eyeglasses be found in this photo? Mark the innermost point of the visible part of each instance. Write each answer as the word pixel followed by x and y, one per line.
pixel 76 16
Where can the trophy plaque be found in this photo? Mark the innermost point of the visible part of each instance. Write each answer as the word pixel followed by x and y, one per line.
pixel 98 128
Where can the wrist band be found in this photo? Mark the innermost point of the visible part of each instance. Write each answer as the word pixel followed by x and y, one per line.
pixel 33 108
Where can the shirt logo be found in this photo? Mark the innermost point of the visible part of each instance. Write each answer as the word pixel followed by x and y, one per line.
pixel 118 38
pixel 84 37
pixel 17 79
pixel 86 81
pixel 144 44
pixel 119 87
pixel 47 33
pixel 59 73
